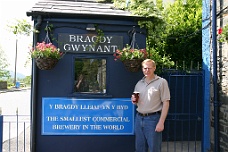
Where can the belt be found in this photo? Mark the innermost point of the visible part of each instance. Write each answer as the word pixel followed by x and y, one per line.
pixel 149 114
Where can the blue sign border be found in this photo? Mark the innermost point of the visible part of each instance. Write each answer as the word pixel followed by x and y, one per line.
pixel 70 116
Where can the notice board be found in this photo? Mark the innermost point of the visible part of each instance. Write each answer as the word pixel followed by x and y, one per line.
pixel 70 116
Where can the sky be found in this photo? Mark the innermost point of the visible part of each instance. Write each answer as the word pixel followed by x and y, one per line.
pixel 10 10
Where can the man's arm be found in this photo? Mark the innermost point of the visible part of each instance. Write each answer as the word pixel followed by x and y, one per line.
pixel 164 113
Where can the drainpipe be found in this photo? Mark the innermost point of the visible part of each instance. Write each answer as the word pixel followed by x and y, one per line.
pixel 216 104
pixel 33 88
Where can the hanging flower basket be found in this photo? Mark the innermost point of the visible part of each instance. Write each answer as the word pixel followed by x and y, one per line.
pixel 46 55
pixel 130 56
pixel 133 65
pixel 46 63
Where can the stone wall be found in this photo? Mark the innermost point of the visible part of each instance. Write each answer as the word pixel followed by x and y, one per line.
pixel 3 85
pixel 222 84
pixel 223 105
pixel 223 99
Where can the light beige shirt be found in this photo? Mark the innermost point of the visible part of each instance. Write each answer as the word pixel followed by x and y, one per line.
pixel 152 95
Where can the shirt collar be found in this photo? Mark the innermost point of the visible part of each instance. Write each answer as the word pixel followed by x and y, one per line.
pixel 155 78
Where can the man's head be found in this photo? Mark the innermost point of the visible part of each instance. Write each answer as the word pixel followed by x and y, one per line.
pixel 148 67
pixel 149 61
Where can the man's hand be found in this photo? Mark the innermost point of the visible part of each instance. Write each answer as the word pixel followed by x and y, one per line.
pixel 159 127
pixel 133 99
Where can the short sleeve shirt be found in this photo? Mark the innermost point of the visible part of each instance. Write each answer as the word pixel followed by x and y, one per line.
pixel 152 95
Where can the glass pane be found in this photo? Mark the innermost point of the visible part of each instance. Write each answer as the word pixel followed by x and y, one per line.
pixel 90 75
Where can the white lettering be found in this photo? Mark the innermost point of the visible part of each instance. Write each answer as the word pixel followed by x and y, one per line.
pixel 50 105
pixel 109 39
pixel 72 38
pixel 110 119
pixel 67 106
pixel 64 127
pixel 113 127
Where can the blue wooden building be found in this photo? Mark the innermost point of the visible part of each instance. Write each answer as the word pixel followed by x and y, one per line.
pixel 63 105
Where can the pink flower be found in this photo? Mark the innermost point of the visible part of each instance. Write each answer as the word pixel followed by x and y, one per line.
pixel 128 53
pixel 47 50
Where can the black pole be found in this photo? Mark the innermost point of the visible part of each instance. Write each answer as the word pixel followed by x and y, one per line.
pixel 216 105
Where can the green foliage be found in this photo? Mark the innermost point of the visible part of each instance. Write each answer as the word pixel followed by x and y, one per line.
pixel 27 80
pixel 128 53
pixel 120 4
pixel 145 8
pixel 46 50
pixel 173 31
pixel 154 25
pixel 3 65
pixel 10 84
pixel 100 35
pixel 161 61
pixel 182 34
pixel 20 27
pixel 223 34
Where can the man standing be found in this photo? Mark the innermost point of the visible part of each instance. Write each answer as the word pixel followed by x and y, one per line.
pixel 152 109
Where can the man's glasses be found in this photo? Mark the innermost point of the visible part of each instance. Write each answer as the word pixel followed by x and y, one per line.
pixel 147 68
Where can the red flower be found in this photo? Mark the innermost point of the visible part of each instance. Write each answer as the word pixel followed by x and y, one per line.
pixel 220 31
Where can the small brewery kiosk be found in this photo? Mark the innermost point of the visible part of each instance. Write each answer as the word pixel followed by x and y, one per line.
pixel 83 103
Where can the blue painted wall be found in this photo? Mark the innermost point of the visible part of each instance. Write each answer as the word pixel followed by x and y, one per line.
pixel 206 67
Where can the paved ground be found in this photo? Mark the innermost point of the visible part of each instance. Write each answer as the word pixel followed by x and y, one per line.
pixel 18 144
pixel 13 89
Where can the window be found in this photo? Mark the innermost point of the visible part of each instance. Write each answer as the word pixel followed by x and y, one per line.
pixel 90 75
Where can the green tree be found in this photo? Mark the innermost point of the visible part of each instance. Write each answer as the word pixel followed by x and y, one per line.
pixel 182 34
pixel 19 27
pixel 3 65
pixel 154 24
pixel 173 30
pixel 27 80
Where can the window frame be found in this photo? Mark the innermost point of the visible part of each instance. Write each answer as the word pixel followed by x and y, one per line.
pixel 89 94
